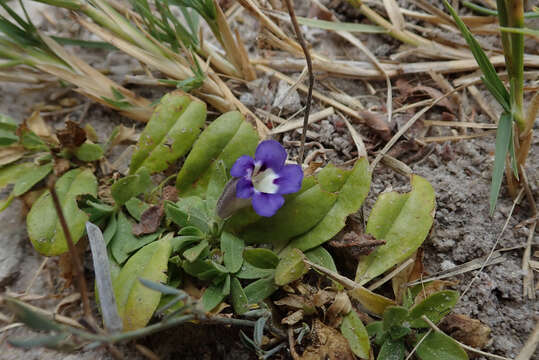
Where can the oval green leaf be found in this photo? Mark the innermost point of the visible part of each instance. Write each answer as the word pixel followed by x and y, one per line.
pixel 290 268
pixel 226 138
pixel 27 180
pixel 261 258
pixel 260 289
pixel 130 186
pixel 435 307
pixel 403 221
pixel 136 302
pixel 392 350
pixel 89 152
pixel 355 333
pixel 439 346
pixel 213 295
pixel 239 298
pixel 232 249
pixel 170 133
pixel 44 228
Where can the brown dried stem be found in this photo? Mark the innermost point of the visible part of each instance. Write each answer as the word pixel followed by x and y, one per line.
pixel 301 41
pixel 77 265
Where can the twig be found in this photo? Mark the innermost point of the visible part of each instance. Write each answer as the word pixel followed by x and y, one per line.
pixel 291 344
pixel 417 345
pixel 311 76
pixel 77 265
pixel 391 275
pixel 464 346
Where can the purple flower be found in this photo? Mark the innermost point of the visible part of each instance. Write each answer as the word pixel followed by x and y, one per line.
pixel 266 177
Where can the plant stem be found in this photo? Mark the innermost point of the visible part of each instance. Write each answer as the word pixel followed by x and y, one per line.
pixel 75 259
pixel 301 41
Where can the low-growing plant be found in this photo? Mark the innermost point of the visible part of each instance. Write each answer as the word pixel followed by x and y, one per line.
pixel 240 222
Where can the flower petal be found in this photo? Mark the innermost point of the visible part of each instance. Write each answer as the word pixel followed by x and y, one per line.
pixel 271 154
pixel 244 188
pixel 267 204
pixel 242 166
pixel 289 180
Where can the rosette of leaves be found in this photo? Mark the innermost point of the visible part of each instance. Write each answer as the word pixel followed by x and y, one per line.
pixel 404 327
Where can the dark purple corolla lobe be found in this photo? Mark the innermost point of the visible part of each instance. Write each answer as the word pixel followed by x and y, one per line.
pixel 266 178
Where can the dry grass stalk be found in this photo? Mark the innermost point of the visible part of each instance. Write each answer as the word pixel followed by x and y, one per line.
pixel 396 165
pixel 438 139
pixel 296 124
pixel 391 274
pixel 531 344
pixel 459 124
pixel 482 102
pixel 358 141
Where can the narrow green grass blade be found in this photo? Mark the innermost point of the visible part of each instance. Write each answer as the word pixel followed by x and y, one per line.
pixel 486 11
pixel 84 43
pixel 512 155
pixel 523 31
pixel 491 78
pixel 503 140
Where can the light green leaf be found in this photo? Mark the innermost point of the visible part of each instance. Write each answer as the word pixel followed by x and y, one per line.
pixel 44 228
pixel 130 186
pixel 11 173
pixel 226 138
pixel 260 289
pixel 212 297
pixel 226 285
pixel 261 258
pixel 290 268
pixel 503 141
pixel 136 302
pixel 355 333
pixel 89 152
pixel 317 212
pixel 403 221
pixel 322 257
pixel 439 346
pixel 435 307
pixel 135 207
pixel 189 211
pixel 204 270
pixel 239 299
pixel 124 242
pixel 394 316
pixel 232 249
pixel 110 230
pixel 194 252
pixel 170 133
pixel 249 271
pixel 27 180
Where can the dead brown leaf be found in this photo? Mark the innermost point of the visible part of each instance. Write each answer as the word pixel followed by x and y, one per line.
pixel 170 193
pixel 322 297
pixel 356 243
pixel 328 343
pixel 37 125
pixel 341 306
pixel 293 318
pixel 124 134
pixel 149 220
pixel 469 331
pixel 377 122
pixel 9 154
pixel 61 166
pixel 406 90
pixel 72 136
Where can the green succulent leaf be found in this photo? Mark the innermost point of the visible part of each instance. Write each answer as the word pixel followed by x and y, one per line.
pixel 204 270
pixel 44 228
pixel 189 211
pixel 135 207
pixel 261 258
pixel 435 307
pixel 248 271
pixel 317 212
pixel 290 268
pixel 27 180
pixel 8 126
pixel 124 242
pixel 403 221
pixel 196 251
pixel 394 316
pixel 239 298
pixel 170 133
pixel 225 139
pixel 11 173
pixel 212 296
pixel 392 350
pixel 110 230
pixel 136 302
pixel 375 330
pixel 503 144
pixel 232 249
pixel 439 346
pixel 130 186
pixel 354 331
pixel 89 152
pixel 260 289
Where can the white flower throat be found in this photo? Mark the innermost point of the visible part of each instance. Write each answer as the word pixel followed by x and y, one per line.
pixel 263 180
